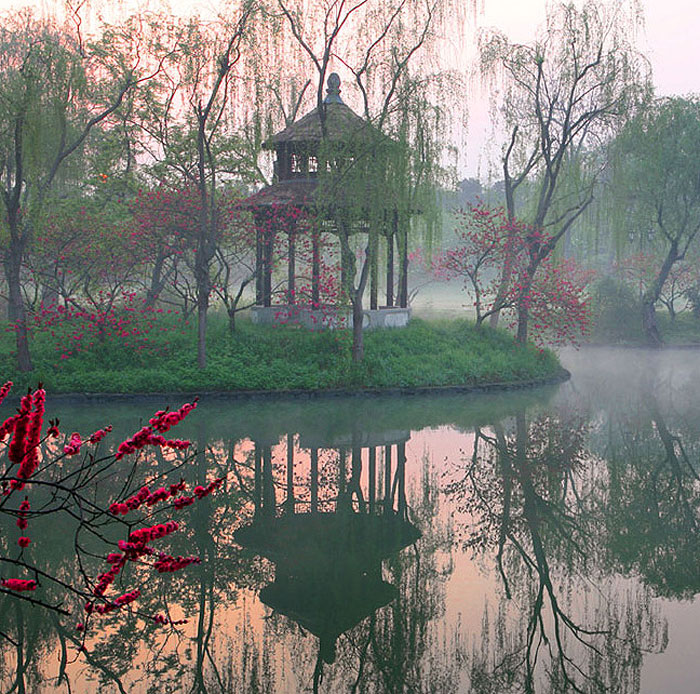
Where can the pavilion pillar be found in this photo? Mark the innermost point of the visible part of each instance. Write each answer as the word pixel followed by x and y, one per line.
pixel 342 459
pixel 401 472
pixel 259 259
pixel 315 270
pixel 269 249
pixel 268 485
pixel 289 502
pixel 314 480
pixel 356 476
pixel 291 269
pixel 390 265
pixel 346 265
pixel 387 479
pixel 372 478
pixel 403 267
pixel 257 497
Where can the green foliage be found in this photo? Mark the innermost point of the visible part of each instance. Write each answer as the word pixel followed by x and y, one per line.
pixel 656 182
pixel 288 358
pixel 615 312
pixel 615 318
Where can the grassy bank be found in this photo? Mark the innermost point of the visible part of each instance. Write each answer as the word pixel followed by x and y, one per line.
pixel 283 358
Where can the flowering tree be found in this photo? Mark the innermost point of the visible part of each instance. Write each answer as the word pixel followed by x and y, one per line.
pixel 86 265
pixel 190 135
pixel 487 242
pixel 38 477
pixel 554 294
pixel 164 227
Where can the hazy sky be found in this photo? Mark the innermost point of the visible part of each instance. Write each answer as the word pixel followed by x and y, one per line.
pixel 670 38
pixel 670 41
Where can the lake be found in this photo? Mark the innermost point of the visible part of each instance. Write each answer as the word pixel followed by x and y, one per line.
pixel 541 540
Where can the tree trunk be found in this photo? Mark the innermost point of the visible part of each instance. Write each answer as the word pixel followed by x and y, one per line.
pixel 523 308
pixel 502 292
pixel 358 344
pixel 157 283
pixel 15 307
pixel 651 296
pixel 671 310
pixel 523 320
pixel 651 328
pixel 203 286
pixel 202 309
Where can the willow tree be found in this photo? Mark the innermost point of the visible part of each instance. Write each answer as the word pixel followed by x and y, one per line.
pixel 564 95
pixel 55 89
pixel 657 183
pixel 385 173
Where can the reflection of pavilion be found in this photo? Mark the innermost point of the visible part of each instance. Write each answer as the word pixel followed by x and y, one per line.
pixel 329 562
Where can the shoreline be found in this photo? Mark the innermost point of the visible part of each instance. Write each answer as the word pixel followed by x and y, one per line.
pixel 561 376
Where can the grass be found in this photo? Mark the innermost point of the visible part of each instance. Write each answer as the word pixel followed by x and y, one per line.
pixel 441 353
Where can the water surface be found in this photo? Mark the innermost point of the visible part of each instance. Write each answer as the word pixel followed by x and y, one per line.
pixel 539 541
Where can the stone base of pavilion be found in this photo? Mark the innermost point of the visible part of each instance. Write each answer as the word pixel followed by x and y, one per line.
pixel 329 318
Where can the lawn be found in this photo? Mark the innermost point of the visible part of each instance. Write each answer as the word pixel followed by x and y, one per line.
pixel 440 353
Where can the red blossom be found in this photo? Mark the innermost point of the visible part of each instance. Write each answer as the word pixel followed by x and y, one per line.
pixel 163 420
pixel 18 444
pixel 168 564
pixel 145 535
pixel 99 434
pixel 4 390
pixel 73 446
pixel 19 584
pixel 162 620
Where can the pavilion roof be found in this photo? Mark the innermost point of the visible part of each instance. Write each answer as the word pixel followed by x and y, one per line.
pixel 306 193
pixel 298 192
pixel 342 124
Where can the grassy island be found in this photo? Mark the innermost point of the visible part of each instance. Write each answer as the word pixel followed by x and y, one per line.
pixel 256 358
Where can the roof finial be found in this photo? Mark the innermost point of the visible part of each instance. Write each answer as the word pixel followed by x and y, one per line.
pixel 333 89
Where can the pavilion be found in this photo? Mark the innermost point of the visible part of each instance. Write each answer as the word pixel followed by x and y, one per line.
pixel 323 146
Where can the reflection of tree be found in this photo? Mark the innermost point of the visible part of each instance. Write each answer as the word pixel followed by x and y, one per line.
pixel 654 501
pixel 527 493
pixel 409 649
pixel 128 651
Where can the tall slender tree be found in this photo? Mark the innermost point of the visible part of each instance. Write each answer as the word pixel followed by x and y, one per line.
pixel 190 126
pixel 565 94
pixel 393 163
pixel 657 181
